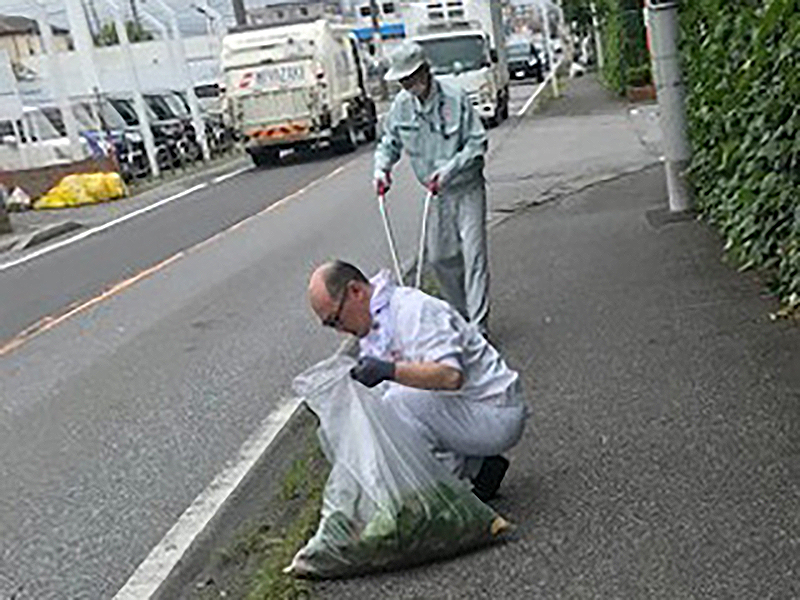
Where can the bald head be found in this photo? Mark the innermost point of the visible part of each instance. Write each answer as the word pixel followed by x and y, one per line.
pixel 339 294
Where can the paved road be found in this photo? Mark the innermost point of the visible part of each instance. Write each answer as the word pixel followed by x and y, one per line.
pixel 114 420
pixel 82 271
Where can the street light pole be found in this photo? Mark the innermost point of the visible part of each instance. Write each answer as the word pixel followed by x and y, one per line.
pixel 662 22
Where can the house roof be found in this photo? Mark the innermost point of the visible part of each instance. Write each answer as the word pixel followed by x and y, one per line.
pixel 14 25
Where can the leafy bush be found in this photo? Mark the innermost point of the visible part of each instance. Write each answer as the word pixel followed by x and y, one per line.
pixel 742 68
pixel 627 60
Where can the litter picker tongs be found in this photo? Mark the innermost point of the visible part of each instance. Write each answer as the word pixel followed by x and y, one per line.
pixel 390 237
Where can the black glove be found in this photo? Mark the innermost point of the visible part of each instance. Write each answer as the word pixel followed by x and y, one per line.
pixel 371 371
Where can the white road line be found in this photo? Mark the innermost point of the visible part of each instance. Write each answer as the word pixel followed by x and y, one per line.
pixel 89 232
pixel 163 559
pixel 50 321
pixel 538 91
pixel 230 175
pixel 531 100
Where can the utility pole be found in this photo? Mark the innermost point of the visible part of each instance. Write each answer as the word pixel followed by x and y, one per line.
pixel 84 43
pixel 90 14
pixel 137 26
pixel 663 26
pixel 551 59
pixel 239 13
pixel 598 40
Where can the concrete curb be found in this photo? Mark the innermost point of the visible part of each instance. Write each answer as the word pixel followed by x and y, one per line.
pixel 44 234
pixel 210 524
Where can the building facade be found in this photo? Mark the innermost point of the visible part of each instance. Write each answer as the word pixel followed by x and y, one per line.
pixel 284 13
pixel 19 37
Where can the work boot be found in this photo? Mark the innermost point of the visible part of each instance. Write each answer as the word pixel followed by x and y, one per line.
pixel 487 481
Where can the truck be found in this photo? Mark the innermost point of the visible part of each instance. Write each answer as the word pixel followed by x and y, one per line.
pixel 464 41
pixel 296 86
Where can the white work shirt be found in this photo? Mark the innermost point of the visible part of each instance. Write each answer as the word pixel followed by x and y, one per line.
pixel 409 325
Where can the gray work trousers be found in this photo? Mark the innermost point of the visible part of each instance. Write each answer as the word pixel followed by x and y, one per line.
pixel 457 249
pixel 460 432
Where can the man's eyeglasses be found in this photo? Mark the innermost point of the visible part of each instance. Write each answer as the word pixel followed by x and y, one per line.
pixel 335 320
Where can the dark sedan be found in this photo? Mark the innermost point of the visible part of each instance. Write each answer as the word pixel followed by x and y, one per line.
pixel 524 61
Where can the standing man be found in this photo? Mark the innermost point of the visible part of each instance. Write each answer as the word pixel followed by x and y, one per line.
pixel 446 142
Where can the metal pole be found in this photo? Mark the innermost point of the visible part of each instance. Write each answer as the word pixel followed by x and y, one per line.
pixel 84 44
pixel 664 29
pixel 188 84
pixel 57 81
pixel 423 236
pixel 239 12
pixel 390 238
pixel 22 145
pixel 138 100
pixel 598 40
pixel 549 45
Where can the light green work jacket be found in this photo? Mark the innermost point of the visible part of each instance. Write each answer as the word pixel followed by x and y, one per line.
pixel 444 134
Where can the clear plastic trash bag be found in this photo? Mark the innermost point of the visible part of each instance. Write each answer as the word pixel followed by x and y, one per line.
pixel 388 502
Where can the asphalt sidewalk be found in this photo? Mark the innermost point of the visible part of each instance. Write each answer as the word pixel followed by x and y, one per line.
pixel 661 460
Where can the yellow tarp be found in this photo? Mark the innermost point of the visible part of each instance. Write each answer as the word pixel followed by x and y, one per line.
pixel 84 188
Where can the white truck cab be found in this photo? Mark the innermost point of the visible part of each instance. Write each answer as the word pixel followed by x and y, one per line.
pixel 465 43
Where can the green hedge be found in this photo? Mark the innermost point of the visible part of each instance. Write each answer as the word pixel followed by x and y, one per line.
pixel 742 69
pixel 627 61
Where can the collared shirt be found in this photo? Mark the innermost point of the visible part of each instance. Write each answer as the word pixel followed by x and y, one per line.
pixel 409 325
pixel 443 134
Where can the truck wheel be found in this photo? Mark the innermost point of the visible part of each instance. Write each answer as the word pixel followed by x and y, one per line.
pixel 265 156
pixel 504 109
pixel 347 138
pixel 371 132
pixel 495 120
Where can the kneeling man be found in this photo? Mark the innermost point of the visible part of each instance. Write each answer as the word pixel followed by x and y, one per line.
pixel 442 375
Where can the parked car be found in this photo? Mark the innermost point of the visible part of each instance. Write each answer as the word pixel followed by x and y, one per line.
pixel 167 134
pixel 218 133
pixel 43 144
pixel 174 117
pixel 101 121
pixel 210 98
pixel 106 134
pixel 524 60
pixel 538 41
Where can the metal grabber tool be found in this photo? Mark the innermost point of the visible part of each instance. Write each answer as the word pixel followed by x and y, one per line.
pixel 390 237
